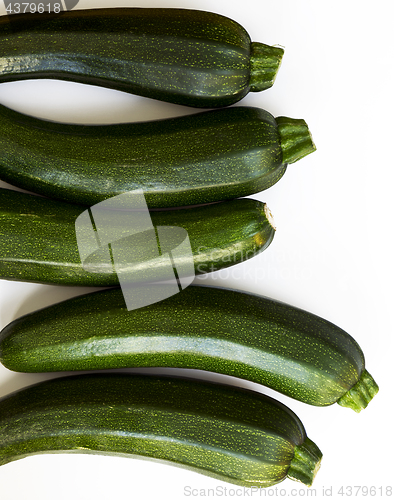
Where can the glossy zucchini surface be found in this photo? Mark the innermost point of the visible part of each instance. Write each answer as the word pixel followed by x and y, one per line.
pixel 226 331
pixel 199 158
pixel 38 240
pixel 185 56
pixel 232 434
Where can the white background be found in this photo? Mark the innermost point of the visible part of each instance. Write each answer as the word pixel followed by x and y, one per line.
pixel 332 253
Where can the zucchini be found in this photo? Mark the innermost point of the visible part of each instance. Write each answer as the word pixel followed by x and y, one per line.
pixel 185 56
pixel 207 328
pixel 231 152
pixel 38 240
pixel 232 434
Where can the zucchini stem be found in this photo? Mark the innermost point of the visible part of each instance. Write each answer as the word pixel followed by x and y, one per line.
pixel 264 65
pixel 306 462
pixel 358 397
pixel 295 137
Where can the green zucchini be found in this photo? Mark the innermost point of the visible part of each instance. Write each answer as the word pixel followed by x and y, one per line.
pixel 188 57
pixel 232 434
pixel 231 152
pixel 38 240
pixel 207 328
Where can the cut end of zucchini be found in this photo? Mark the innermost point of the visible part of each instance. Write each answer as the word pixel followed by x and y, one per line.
pixel 306 462
pixel 358 397
pixel 270 217
pixel 264 237
pixel 296 139
pixel 265 62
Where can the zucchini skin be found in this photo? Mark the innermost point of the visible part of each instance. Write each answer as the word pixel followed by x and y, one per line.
pixel 232 434
pixel 185 56
pixel 230 153
pixel 207 328
pixel 38 238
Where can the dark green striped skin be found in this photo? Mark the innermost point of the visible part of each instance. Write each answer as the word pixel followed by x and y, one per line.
pixel 38 239
pixel 205 157
pixel 188 57
pixel 207 328
pixel 231 434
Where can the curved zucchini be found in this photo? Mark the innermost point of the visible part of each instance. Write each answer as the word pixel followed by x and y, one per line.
pixel 231 434
pixel 38 239
pixel 188 57
pixel 207 328
pixel 231 152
